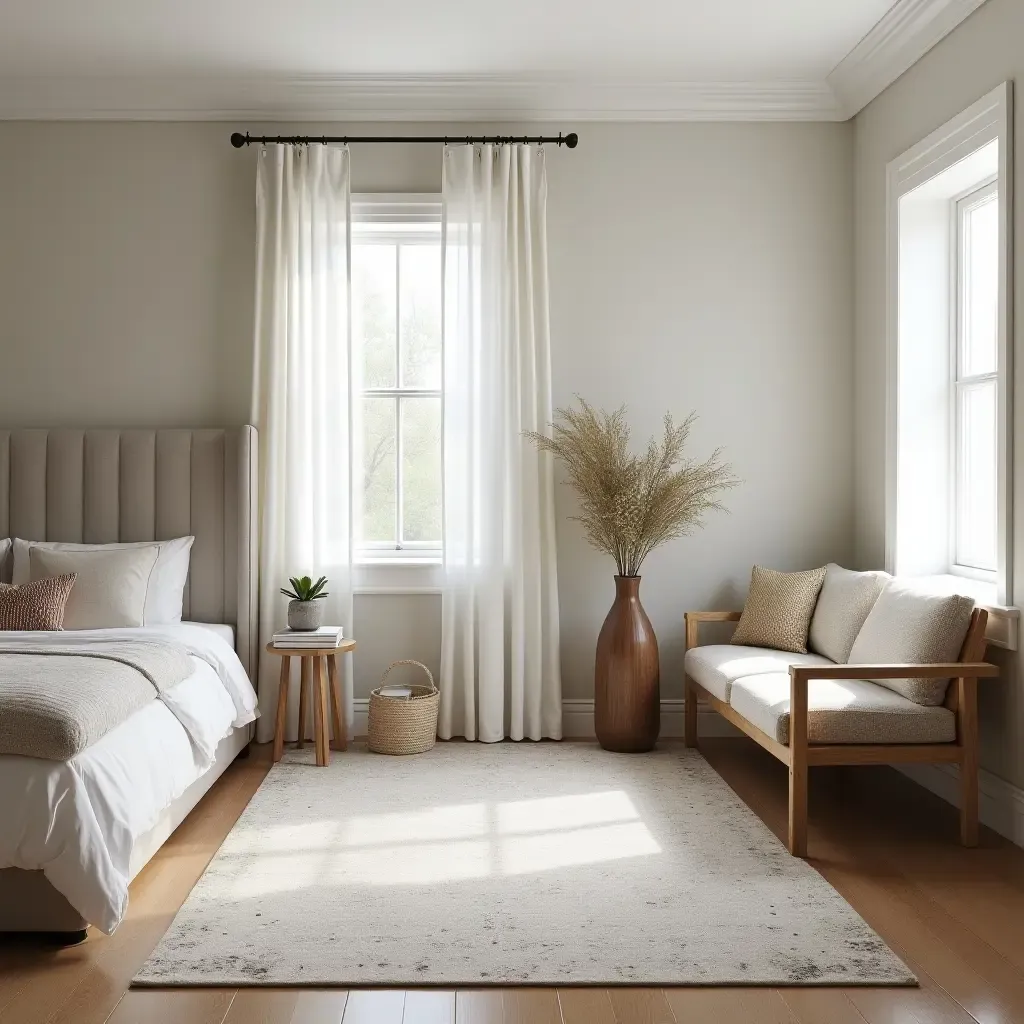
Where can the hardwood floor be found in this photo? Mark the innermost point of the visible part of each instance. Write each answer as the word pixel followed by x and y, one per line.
pixel 955 915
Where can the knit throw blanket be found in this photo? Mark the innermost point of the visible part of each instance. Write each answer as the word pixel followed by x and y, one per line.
pixel 56 700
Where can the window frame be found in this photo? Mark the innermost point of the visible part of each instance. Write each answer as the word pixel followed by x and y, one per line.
pixel 949 154
pixel 397 219
pixel 960 207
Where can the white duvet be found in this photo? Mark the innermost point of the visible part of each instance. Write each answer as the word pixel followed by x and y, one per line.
pixel 77 821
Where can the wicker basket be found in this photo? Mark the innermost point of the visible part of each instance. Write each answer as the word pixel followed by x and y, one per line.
pixel 404 725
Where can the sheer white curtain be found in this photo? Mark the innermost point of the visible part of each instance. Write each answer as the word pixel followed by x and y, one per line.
pixel 300 400
pixel 500 671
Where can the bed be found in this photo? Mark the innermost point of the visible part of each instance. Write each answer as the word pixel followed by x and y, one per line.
pixel 76 832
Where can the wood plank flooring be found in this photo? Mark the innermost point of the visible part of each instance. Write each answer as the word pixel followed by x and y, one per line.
pixel 956 916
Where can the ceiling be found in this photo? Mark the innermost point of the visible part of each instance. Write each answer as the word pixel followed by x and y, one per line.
pixel 692 39
pixel 396 58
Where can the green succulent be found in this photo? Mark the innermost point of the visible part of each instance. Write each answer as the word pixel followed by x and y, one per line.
pixel 304 589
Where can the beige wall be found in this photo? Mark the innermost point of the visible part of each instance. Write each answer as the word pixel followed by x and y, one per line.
pixel 695 266
pixel 985 50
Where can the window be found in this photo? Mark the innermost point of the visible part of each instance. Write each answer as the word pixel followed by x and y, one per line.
pixel 949 404
pixel 975 382
pixel 396 332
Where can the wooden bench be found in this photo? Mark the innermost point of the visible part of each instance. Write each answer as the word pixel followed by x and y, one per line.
pixel 800 755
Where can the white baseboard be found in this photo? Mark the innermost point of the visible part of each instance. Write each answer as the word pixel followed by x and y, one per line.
pixel 578 720
pixel 359 708
pixel 1000 803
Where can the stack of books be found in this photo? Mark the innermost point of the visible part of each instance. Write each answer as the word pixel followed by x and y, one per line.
pixel 325 636
pixel 396 692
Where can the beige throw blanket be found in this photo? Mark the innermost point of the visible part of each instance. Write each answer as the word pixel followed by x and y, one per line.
pixel 57 700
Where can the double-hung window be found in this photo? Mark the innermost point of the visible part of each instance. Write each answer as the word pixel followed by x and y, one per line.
pixel 975 387
pixel 949 433
pixel 396 333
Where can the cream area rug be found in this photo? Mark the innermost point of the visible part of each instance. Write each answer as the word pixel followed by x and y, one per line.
pixel 540 863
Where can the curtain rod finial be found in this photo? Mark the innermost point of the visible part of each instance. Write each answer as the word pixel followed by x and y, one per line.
pixel 572 140
pixel 237 140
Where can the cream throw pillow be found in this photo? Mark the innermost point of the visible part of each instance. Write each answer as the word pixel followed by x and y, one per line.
pixel 845 600
pixel 5 560
pixel 909 626
pixel 110 589
pixel 166 586
pixel 778 609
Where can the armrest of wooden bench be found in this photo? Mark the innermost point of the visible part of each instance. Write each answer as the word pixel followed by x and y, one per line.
pixel 694 619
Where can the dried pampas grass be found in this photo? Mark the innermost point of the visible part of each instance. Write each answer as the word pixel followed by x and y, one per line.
pixel 631 504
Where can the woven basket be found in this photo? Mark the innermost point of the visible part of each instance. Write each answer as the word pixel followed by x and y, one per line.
pixel 404 725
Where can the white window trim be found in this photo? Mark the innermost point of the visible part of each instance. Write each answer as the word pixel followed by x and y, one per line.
pixel 988 119
pixel 376 564
pixel 969 199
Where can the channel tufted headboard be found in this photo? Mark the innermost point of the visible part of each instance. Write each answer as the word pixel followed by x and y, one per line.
pixel 103 486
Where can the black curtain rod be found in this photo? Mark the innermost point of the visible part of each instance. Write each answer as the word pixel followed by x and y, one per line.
pixel 238 140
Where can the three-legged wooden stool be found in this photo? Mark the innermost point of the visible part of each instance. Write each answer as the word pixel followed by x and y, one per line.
pixel 324 680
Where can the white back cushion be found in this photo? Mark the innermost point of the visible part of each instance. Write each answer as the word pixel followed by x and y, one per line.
pixel 5 559
pixel 110 589
pixel 845 600
pixel 166 585
pixel 910 626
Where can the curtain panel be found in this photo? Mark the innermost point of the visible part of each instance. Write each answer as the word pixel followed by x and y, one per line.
pixel 500 673
pixel 301 394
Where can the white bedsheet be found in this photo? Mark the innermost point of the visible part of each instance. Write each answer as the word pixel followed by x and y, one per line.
pixel 77 821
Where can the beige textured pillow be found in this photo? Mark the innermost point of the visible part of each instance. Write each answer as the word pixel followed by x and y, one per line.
pixel 845 600
pixel 911 626
pixel 779 609
pixel 38 605
pixel 111 587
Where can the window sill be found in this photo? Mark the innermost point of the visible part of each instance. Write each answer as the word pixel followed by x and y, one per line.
pixel 397 562
pixel 1003 620
pixel 392 575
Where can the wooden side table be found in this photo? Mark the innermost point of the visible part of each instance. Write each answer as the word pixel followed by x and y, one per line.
pixel 313 662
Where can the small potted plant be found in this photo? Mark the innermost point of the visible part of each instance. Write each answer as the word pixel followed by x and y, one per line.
pixel 304 610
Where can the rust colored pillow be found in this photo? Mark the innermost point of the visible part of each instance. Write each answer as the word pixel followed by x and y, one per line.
pixel 35 606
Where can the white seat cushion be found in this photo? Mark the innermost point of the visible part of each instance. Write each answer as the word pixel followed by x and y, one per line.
pixel 717 666
pixel 841 711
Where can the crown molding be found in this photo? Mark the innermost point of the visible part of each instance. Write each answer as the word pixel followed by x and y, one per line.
pixel 410 98
pixel 898 41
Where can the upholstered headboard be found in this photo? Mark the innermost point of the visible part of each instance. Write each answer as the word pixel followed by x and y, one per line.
pixel 104 486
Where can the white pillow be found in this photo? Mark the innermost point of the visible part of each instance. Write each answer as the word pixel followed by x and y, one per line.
pixel 166 586
pixel 111 586
pixel 844 602
pixel 5 561
pixel 910 626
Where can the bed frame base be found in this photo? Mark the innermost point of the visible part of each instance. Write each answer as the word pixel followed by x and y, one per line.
pixel 31 906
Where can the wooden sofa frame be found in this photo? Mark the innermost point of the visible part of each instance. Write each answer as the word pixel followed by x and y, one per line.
pixel 799 755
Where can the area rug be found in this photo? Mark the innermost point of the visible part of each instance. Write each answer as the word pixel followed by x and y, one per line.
pixel 535 863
